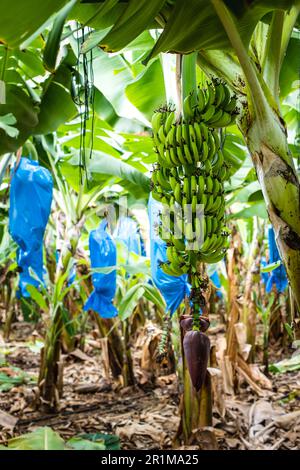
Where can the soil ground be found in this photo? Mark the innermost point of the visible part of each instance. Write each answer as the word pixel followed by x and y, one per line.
pixel 146 416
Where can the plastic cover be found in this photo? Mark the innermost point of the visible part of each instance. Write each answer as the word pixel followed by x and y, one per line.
pixel 216 280
pixel 128 232
pixel 173 289
pixel 103 254
pixel 30 204
pixel 278 276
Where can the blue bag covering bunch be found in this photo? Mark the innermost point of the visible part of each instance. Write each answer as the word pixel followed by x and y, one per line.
pixel 216 280
pixel 173 289
pixel 30 204
pixel 278 276
pixel 103 254
pixel 128 232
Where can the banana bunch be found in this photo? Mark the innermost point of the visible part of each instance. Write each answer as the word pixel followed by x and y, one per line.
pixel 216 107
pixel 190 171
pixel 180 143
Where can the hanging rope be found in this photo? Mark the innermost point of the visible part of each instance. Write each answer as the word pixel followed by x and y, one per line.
pixel 84 97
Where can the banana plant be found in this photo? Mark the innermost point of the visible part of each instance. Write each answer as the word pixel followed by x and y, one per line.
pixel 135 298
pixel 246 45
pixel 265 315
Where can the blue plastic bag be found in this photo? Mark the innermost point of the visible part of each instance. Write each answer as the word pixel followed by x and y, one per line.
pixel 29 209
pixel 173 289
pixel 103 254
pixel 216 280
pixel 278 276
pixel 128 232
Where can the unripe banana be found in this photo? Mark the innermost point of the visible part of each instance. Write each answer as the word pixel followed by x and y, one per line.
pixel 169 122
pixel 156 122
pixel 193 184
pixel 178 243
pixel 208 226
pixel 224 121
pixel 161 134
pixel 177 193
pixel 220 93
pixel 201 99
pixel 164 183
pixel 209 204
pixel 209 184
pixel 210 94
pixel 204 131
pixel 215 118
pixel 209 112
pixel 173 182
pixel 173 155
pixel 227 97
pixel 198 136
pixel 187 189
pixel 205 151
pixel 211 146
pixel 187 108
pixel 230 107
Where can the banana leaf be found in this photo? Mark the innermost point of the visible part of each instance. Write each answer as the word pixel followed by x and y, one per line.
pixel 19 20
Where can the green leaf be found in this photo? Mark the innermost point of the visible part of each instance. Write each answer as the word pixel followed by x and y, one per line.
pixel 137 17
pixel 78 443
pixel 130 300
pixel 258 210
pixel 243 194
pixel 100 166
pixel 53 41
pixel 31 61
pixel 98 16
pixel 287 365
pixel 57 106
pixel 138 267
pixel 194 25
pixel 111 76
pixel 40 439
pixel 20 19
pixel 153 295
pixel 37 297
pixel 21 106
pixel 270 267
pixel 147 92
pixel 6 123
pixel 112 442
pixel 15 378
pixel 289 74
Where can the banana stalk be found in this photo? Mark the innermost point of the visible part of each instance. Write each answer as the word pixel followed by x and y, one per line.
pixel 50 375
pixel 265 135
pixel 280 186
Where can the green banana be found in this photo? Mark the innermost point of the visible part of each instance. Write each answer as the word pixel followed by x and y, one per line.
pixel 208 113
pixel 169 122
pixel 177 193
pixel 187 108
pixel 201 100
pixel 201 185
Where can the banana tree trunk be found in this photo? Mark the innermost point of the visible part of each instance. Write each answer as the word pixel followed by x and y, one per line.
pixel 280 186
pixel 51 367
pixel 195 407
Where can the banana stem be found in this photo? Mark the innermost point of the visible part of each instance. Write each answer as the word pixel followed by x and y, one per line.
pixel 271 63
pixel 258 98
pixel 189 80
pixel 5 58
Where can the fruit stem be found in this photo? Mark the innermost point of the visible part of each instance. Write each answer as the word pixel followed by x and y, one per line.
pixel 188 74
